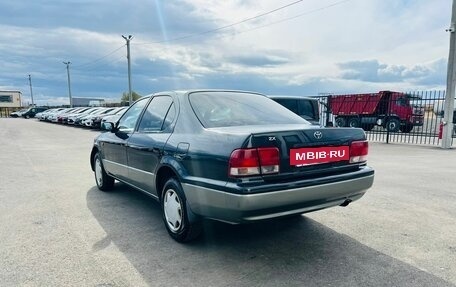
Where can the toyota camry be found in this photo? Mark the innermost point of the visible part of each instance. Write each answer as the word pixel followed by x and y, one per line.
pixel 231 156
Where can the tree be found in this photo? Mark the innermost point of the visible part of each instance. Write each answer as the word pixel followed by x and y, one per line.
pixel 126 96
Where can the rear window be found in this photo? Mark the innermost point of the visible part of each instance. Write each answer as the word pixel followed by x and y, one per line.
pixel 226 109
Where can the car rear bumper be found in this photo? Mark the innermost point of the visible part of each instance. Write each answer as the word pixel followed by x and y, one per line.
pixel 240 208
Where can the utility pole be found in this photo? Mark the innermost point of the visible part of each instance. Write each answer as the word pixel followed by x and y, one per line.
pixel 31 91
pixel 128 39
pixel 69 83
pixel 451 84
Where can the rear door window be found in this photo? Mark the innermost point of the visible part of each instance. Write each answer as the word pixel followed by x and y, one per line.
pixel 155 114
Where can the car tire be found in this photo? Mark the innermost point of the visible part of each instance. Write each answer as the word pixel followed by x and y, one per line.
pixel 103 180
pixel 181 224
pixel 27 117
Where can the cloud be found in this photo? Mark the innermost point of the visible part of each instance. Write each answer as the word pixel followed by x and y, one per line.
pixel 117 17
pixel 259 60
pixel 322 51
pixel 431 73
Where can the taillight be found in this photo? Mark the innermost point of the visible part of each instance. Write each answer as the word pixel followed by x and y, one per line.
pixel 254 161
pixel 359 151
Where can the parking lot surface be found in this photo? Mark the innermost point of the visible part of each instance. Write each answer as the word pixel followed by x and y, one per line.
pixel 58 229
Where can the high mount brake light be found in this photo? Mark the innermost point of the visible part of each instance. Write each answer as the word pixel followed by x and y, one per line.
pixel 254 161
pixel 359 151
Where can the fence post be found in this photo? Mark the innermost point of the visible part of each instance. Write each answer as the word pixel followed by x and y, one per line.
pixel 387 135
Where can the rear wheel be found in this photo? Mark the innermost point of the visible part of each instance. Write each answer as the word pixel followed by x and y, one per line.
pixel 341 122
pixel 392 125
pixel 353 123
pixel 176 215
pixel 103 180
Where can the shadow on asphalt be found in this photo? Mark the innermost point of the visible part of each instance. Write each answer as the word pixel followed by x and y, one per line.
pixel 296 251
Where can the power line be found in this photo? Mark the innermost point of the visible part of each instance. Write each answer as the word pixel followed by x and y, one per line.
pixel 293 17
pixel 223 27
pixel 98 59
pixel 95 67
pixel 91 66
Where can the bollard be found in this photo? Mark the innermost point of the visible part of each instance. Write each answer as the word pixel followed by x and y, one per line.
pixel 441 130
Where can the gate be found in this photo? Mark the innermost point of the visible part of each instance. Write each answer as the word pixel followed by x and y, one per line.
pixel 390 117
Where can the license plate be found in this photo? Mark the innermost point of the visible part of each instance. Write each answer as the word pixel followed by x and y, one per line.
pixel 318 155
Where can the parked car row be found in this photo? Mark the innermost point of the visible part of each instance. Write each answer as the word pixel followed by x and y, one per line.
pixel 90 117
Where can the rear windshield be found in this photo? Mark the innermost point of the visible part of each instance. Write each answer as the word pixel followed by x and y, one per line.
pixel 226 109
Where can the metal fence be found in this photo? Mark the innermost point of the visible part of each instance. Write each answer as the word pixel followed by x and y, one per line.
pixel 390 117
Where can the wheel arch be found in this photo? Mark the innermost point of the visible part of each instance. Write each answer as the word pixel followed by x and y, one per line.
pixel 166 171
pixel 92 157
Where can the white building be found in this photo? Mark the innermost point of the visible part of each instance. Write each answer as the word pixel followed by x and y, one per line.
pixel 10 99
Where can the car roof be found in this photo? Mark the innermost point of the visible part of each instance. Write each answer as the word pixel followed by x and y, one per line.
pixel 291 97
pixel 184 92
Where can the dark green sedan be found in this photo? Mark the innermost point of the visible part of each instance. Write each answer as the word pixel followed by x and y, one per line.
pixel 231 156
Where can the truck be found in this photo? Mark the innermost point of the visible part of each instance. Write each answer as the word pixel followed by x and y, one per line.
pixel 390 110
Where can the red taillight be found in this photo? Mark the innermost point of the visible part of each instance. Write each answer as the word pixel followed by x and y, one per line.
pixel 359 151
pixel 254 161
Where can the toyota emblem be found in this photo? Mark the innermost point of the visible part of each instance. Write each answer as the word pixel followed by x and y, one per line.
pixel 318 135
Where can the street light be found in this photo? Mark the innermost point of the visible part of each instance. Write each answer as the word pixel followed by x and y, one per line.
pixel 69 82
pixel 128 39
pixel 31 91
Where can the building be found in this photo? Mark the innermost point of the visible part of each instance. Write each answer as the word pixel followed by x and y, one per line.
pixel 87 102
pixel 10 99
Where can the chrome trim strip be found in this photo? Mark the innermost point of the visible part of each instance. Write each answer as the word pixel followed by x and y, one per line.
pixel 128 167
pixel 113 162
pixel 140 170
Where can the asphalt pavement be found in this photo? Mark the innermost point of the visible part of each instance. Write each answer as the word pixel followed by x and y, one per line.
pixel 58 229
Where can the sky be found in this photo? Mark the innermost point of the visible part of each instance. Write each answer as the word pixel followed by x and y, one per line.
pixel 285 47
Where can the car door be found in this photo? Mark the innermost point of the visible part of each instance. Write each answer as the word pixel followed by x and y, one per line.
pixel 114 143
pixel 145 146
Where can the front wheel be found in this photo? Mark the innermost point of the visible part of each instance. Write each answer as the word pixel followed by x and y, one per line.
pixel 176 215
pixel 103 180
pixel 392 125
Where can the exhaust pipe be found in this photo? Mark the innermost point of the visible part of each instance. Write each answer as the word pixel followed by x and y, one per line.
pixel 346 202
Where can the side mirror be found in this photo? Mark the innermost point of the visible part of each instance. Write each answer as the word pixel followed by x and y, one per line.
pixel 107 126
